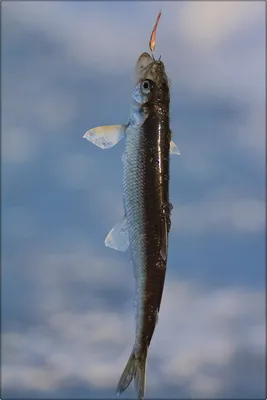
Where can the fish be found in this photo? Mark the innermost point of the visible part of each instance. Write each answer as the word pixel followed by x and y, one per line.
pixel 144 228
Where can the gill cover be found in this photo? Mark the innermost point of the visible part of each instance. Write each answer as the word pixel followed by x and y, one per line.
pixel 142 91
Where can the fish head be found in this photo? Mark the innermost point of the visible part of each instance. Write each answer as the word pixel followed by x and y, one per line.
pixel 141 65
pixel 151 80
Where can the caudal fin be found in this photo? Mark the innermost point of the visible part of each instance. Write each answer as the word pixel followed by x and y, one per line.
pixel 135 369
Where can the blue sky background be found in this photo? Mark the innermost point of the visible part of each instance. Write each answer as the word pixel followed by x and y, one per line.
pixel 67 300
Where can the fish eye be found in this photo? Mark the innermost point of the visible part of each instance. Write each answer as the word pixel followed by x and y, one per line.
pixel 145 87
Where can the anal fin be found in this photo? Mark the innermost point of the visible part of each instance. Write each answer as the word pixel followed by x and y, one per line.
pixel 174 149
pixel 118 238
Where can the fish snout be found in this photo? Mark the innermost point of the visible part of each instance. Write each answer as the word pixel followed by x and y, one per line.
pixel 141 65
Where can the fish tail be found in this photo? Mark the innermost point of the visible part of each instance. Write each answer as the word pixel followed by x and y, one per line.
pixel 135 369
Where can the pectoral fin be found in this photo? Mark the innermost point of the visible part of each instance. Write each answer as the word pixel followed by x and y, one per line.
pixel 106 136
pixel 174 149
pixel 118 238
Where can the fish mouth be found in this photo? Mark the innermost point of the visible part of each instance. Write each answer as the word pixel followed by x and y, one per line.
pixel 142 64
pixel 149 68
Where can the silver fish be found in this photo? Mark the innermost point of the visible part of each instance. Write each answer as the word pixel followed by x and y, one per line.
pixel 146 223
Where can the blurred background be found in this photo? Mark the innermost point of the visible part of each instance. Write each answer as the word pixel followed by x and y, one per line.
pixel 67 300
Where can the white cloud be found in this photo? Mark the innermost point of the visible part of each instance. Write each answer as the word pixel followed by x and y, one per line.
pixel 204 329
pixel 40 111
pixel 19 223
pixel 198 22
pixel 205 384
pixel 55 109
pixel 206 24
pixel 198 328
pixel 252 140
pixel 206 34
pixel 19 145
pixel 74 170
pixel 75 31
pixel 187 339
pixel 221 52
pixel 245 215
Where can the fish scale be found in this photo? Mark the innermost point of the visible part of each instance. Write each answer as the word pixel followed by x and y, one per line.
pixel 133 203
pixel 145 192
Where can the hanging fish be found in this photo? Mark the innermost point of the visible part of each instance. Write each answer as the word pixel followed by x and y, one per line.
pixel 146 223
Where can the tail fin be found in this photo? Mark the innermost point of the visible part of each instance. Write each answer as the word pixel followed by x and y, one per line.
pixel 135 369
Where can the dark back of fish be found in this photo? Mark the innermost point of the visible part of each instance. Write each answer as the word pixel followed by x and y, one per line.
pixel 146 200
